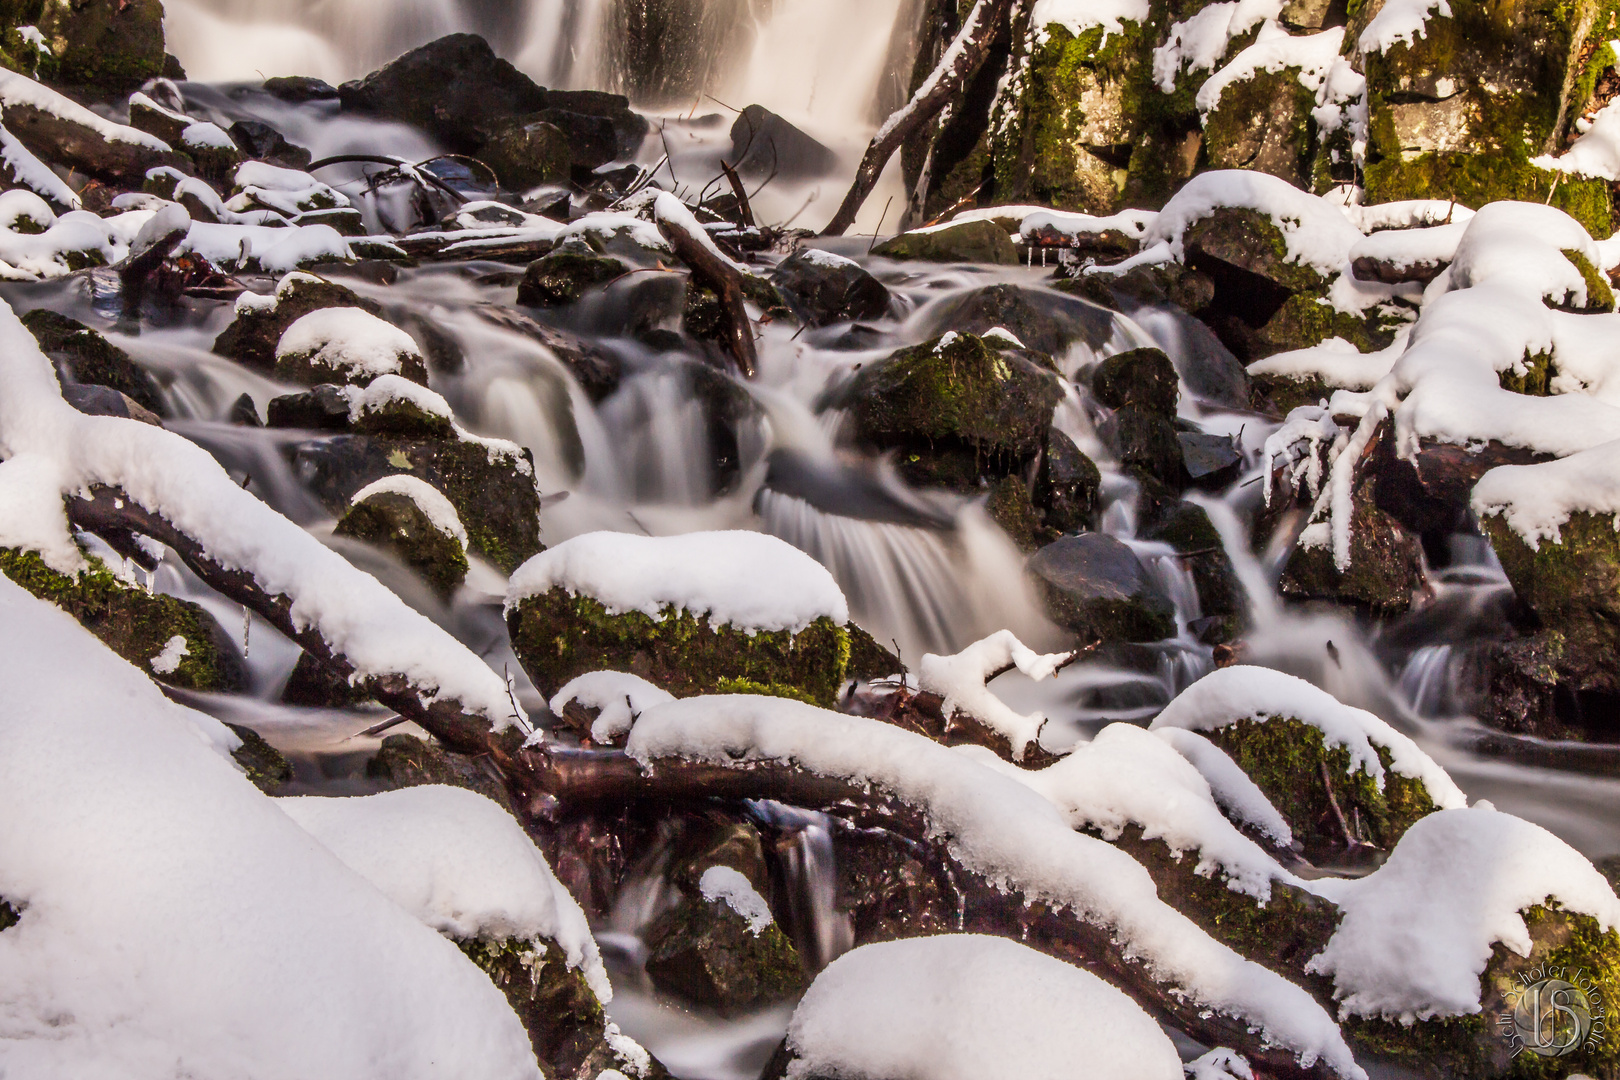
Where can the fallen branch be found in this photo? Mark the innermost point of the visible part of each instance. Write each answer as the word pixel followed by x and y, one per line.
pixel 961 60
pixel 710 268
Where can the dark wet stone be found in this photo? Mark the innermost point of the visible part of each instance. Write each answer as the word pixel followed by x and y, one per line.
pixel 265 766
pixel 316 685
pixel 1385 568
pixel 1067 485
pixel 629 126
pixel 1043 320
pixel 320 408
pixel 299 88
pixel 406 761
pixel 823 289
pixel 526 152
pixel 705 952
pixel 1096 586
pixel 762 143
pixel 592 141
pixel 1187 528
pixel 91 359
pixel 1145 443
pixel 562 277
pixel 105 401
pixel 1209 461
pixel 262 142
pixel 244 412
pixel 1141 377
pixel 396 524
pixel 1010 507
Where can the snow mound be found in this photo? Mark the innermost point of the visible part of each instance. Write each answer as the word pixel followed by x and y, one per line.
pixel 999 828
pixel 621 697
pixel 456 861
pixel 750 580
pixel 1078 16
pixel 1536 500
pixel 1315 232
pixel 171 913
pixel 724 883
pixel 1596 152
pixel 1417 933
pixel 970 1007
pixel 960 680
pixel 350 340
pixel 1230 786
pixel 1227 695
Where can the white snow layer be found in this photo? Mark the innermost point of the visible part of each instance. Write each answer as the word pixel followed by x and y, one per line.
pixel 749 580
pixel 52 449
pixel 724 883
pixel 386 390
pixel 1230 786
pixel 999 828
pixel 1417 933
pixel 458 862
pixel 174 920
pixel 1316 233
pixel 1199 43
pixel 960 680
pixel 1078 16
pixel 1227 695
pixel 1275 49
pixel 350 340
pixel 439 511
pixel 1399 21
pixel 1596 152
pixel 19 90
pixel 620 696
pixel 971 1007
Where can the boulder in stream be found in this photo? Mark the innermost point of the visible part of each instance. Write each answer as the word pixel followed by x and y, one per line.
pixel 409 518
pixel 968 241
pixel 89 358
pixel 823 288
pixel 1095 585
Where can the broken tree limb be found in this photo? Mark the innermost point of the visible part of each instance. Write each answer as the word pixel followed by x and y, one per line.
pixel 960 61
pixel 710 268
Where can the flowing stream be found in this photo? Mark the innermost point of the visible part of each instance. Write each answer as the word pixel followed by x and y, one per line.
pixel 926 570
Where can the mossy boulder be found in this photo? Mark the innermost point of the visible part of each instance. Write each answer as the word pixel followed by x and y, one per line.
pixel 1459 111
pixel 1304 779
pixel 105 46
pixel 252 337
pixel 706 952
pixel 955 408
pixel 1010 506
pixel 1145 444
pixel 1068 485
pixel 89 358
pixel 562 277
pixel 1263 123
pixel 397 524
pixel 174 641
pixel 1386 561
pixel 1095 586
pixel 266 767
pixel 970 241
pixel 558 636
pixel 491 485
pixel 1141 377
pixel 526 152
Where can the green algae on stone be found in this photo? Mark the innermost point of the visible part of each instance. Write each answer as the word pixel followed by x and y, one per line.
pixel 266 767
pixel 395 523
pixel 1287 760
pixel 558 636
pixel 137 625
pixel 708 953
pixel 970 241
pixel 1599 295
pixel 1532 375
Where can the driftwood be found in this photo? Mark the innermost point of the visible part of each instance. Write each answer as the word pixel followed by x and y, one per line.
pixel 710 270
pixel 943 85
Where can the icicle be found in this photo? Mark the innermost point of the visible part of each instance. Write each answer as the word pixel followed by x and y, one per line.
pixel 247 625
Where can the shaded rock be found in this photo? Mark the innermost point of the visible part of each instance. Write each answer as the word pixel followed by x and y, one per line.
pixel 629 126
pixel 262 142
pixel 763 143
pixel 110 46
pixel 823 288
pixel 1210 462
pixel 300 88
pixel 1097 587
pixel 1263 123
pixel 526 152
pixel 955 409
pixel 89 358
pixel 1187 528
pixel 492 488
pixel 591 140
pixel 320 408
pixel 453 88
pixel 597 371
pixel 1010 507
pixel 706 952
pixel 1428 491
pixel 887 890
pixel 1145 443
pixel 244 413
pixel 1141 377
pixel 68 143
pixel 174 641
pixel 265 766
pixel 407 761
pixel 1045 321
pixel 104 401
pixel 253 336
pixel 316 684
pixel 395 523
pixel 558 636
pixel 1386 563
pixel 971 241
pixel 563 276
pixel 1067 485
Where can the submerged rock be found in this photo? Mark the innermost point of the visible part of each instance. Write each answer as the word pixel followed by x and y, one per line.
pixel 1096 586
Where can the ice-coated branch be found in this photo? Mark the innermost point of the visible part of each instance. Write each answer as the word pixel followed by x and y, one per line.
pixel 961 59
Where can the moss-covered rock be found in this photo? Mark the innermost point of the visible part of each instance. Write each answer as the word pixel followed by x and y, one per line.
pixel 706 952
pixel 174 641
pixel 558 636
pixel 395 523
pixel 1304 779
pixel 823 289
pixel 253 336
pixel 1010 507
pixel 955 409
pixel 90 358
pixel 490 485
pixel 563 276
pixel 526 152
pixel 1094 585
pixel 1263 123
pixel 406 761
pixel 1385 568
pixel 264 765
pixel 1145 444
pixel 971 241
pixel 1141 377
pixel 108 46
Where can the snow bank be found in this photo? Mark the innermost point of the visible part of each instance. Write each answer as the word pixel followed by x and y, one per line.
pixel 749 580
pixel 456 861
pixel 1521 245
pixel 620 696
pixel 350 340
pixel 439 511
pixel 1227 695
pixel 53 449
pixel 724 883
pixel 1417 933
pixel 960 680
pixel 1315 232
pixel 970 1007
pixel 1405 248
pixel 1014 837
pixel 172 914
